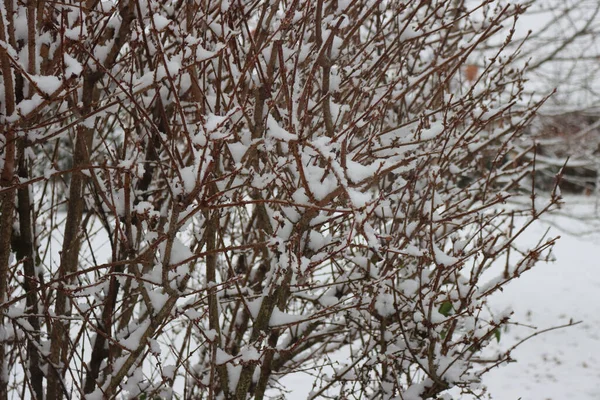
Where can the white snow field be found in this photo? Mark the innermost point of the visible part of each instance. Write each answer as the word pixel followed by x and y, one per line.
pixel 565 363
pixel 562 364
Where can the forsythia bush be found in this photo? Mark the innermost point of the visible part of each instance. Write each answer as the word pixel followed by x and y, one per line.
pixel 200 198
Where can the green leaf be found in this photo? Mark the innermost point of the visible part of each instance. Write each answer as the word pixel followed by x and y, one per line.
pixel 446 308
pixel 497 334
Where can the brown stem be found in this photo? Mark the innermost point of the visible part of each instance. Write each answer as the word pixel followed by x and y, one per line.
pixel 68 264
pixel 6 223
pixel 7 199
pixel 24 248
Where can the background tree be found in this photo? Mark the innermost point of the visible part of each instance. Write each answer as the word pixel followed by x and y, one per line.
pixel 561 52
pixel 205 197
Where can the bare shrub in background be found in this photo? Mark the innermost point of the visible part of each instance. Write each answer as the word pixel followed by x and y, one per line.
pixel 562 54
pixel 200 198
pixel 569 142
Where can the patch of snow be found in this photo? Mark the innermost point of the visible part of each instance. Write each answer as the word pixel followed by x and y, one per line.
pixel 133 341
pixel 160 22
pixel 47 84
pixel 280 318
pixel 277 132
pixel 442 258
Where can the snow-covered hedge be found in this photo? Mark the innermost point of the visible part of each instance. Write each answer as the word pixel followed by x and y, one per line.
pixel 255 190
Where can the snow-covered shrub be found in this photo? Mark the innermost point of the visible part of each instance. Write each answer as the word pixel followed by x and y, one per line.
pixel 256 190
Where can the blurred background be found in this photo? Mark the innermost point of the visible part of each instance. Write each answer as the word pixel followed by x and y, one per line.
pixel 562 51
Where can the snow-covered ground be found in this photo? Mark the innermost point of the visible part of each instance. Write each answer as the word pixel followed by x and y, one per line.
pixel 562 364
pixel 565 363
